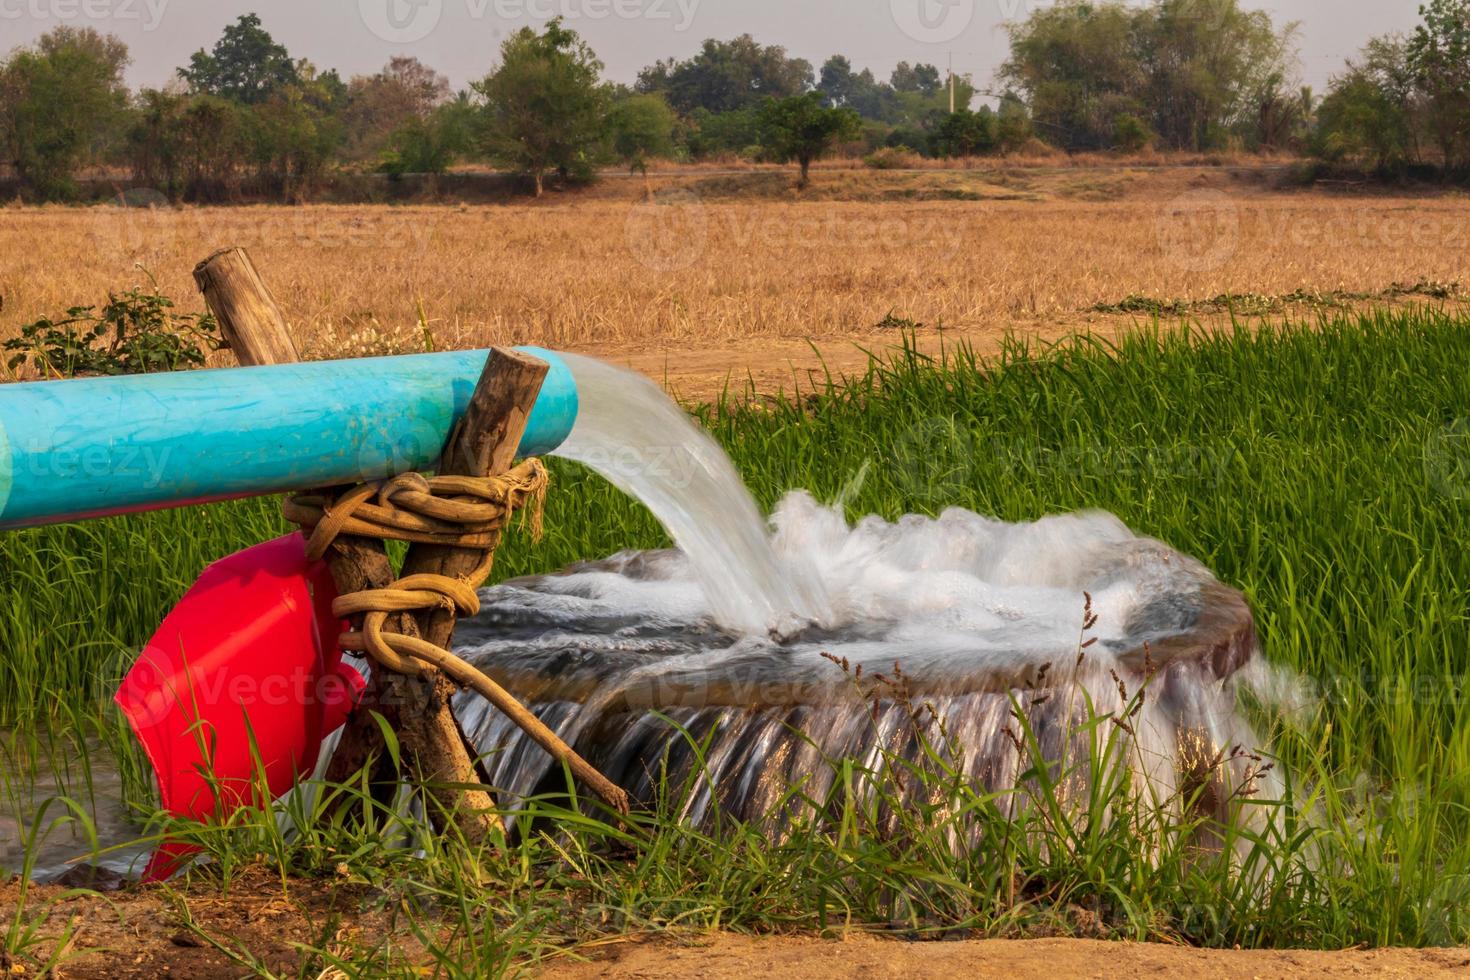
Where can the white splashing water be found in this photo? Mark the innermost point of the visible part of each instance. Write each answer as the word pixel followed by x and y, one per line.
pixel 738 627
pixel 973 609
pixel 636 437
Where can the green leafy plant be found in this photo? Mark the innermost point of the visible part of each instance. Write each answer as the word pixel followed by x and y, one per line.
pixel 135 332
pixel 802 129
pixel 544 106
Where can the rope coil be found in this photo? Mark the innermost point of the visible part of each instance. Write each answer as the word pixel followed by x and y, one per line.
pixel 451 511
pixel 422 510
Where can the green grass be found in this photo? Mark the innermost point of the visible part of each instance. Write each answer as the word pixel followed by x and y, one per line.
pixel 1322 468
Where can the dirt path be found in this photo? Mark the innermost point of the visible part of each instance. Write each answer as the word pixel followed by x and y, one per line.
pixel 197 931
pixel 699 373
pixel 725 957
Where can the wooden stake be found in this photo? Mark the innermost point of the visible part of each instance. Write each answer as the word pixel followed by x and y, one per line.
pixel 483 444
pixel 249 319
pixel 417 708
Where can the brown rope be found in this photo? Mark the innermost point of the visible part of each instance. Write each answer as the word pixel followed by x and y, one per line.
pixel 418 509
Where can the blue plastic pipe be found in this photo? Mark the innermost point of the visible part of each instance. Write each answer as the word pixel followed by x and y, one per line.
pixel 95 447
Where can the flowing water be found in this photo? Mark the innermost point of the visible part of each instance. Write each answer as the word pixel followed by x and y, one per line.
pixel 762 654
pixel 756 655
pixel 634 435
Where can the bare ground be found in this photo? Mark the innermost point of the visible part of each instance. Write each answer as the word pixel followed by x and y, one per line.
pixel 157 931
pixel 729 957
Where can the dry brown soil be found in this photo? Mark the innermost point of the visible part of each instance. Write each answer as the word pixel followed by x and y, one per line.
pixel 727 957
pixel 201 933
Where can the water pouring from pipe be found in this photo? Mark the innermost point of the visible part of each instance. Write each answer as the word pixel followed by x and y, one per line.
pixel 779 654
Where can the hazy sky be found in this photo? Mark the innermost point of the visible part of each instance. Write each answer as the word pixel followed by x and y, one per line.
pixel 460 37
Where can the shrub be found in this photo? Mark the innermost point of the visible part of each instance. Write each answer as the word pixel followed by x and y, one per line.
pixel 134 333
pixel 1131 134
pixel 893 158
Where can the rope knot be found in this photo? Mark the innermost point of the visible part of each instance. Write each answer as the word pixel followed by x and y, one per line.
pixel 453 511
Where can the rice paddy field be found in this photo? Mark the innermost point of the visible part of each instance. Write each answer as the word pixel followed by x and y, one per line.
pixel 1316 458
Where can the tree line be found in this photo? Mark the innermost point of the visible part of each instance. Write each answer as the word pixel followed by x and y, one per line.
pixel 1198 75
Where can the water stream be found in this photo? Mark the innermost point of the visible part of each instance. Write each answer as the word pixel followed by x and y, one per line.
pixel 631 433
pixel 756 635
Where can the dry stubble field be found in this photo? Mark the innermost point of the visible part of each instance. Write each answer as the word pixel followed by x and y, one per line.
pixel 733 273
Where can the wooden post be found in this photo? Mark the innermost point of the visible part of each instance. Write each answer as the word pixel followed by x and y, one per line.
pixel 417 708
pixel 249 319
pixel 484 444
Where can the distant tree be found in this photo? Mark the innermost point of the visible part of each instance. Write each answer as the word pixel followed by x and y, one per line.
pixel 1374 111
pixel 246 65
pixel 1077 66
pixel 431 143
pixel 641 126
pixel 406 91
pixel 1131 134
pixel 214 142
pixel 964 133
pixel 60 102
pixel 858 90
pixel 1358 121
pixel 800 128
pixel 544 105
pixel 712 133
pixel 1283 116
pixel 295 134
pixel 1195 71
pixel 727 75
pixel 1439 56
pixel 1210 63
pixel 1012 124
pixel 921 78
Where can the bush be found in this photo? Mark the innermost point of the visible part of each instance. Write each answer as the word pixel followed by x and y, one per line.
pixel 429 145
pixel 59 102
pixel 893 158
pixel 964 133
pixel 135 333
pixel 1131 134
pixel 711 134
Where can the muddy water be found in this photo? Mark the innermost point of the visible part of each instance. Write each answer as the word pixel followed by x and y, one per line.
pixel 64 810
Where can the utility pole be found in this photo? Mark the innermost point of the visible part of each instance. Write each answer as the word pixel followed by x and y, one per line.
pixel 951 83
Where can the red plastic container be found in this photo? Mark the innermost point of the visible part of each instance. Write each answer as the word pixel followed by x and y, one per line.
pixel 242 681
